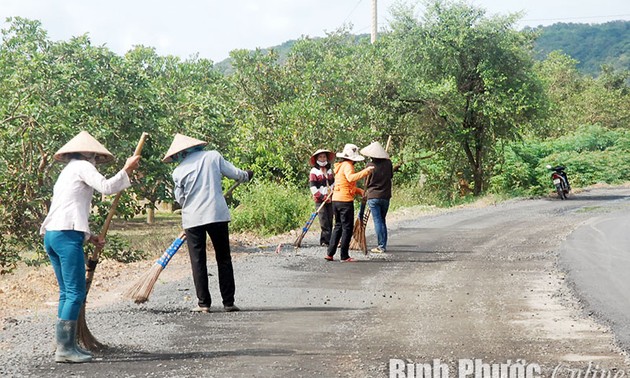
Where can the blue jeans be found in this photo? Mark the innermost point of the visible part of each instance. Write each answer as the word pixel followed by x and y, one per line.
pixel 378 208
pixel 65 250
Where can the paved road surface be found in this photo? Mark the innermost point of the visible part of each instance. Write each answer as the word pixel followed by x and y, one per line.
pixel 597 255
pixel 458 286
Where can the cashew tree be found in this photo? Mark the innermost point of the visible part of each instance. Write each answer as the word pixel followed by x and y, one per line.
pixel 466 80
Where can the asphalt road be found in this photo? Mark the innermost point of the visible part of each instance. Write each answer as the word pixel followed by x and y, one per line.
pixel 597 257
pixel 534 284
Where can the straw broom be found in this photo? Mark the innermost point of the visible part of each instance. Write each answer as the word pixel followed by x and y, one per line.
pixel 84 336
pixel 143 288
pixel 358 232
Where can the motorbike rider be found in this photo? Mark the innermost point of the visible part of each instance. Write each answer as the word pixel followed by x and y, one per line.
pixel 560 170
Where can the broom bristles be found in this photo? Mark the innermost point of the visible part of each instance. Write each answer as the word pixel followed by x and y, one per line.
pixel 358 237
pixel 84 336
pixel 355 232
pixel 144 286
pixel 142 289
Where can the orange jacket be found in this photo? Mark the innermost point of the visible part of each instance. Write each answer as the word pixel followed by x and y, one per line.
pixel 345 181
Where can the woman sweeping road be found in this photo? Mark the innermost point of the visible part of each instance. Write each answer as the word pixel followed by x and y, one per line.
pixel 197 188
pixel 66 228
pixel 343 200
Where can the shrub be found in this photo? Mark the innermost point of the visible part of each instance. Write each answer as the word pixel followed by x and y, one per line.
pixel 270 208
pixel 119 249
pixel 591 154
pixel 9 255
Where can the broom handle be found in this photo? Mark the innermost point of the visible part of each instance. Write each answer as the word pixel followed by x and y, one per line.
pixel 231 189
pixel 112 209
pixel 298 241
pixel 93 259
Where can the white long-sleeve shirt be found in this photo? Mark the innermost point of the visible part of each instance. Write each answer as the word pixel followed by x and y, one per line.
pixel 198 187
pixel 72 196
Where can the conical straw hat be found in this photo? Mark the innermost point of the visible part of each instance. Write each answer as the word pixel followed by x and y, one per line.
pixel 375 150
pixel 84 143
pixel 329 154
pixel 181 143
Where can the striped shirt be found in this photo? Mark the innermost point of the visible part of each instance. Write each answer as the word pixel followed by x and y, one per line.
pixel 321 183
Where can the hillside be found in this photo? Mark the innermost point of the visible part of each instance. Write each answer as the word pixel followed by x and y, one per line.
pixel 592 45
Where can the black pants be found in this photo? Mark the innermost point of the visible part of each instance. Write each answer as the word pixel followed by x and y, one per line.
pixel 325 222
pixel 196 241
pixel 344 218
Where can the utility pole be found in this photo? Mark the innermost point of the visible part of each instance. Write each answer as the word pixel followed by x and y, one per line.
pixel 374 22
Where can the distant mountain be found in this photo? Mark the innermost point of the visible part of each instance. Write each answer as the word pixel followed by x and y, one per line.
pixel 225 66
pixel 592 45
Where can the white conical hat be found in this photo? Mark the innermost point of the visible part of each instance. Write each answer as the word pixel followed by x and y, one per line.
pixel 375 150
pixel 84 143
pixel 351 152
pixel 181 143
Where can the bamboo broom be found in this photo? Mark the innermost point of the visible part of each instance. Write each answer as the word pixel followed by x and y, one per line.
pixel 84 335
pixel 358 242
pixel 143 288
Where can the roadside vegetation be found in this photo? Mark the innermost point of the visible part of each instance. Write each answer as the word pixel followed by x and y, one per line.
pixel 469 110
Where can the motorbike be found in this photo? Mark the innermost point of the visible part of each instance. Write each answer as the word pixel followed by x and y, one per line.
pixel 560 180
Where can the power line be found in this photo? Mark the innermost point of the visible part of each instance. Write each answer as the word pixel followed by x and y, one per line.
pixel 352 11
pixel 364 28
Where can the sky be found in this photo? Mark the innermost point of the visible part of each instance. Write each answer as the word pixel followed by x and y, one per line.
pixel 211 29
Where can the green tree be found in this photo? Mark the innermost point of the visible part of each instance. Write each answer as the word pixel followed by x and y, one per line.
pixel 49 92
pixel 328 92
pixel 576 99
pixel 26 81
pixel 466 79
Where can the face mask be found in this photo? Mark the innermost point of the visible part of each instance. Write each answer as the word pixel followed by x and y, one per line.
pixel 322 163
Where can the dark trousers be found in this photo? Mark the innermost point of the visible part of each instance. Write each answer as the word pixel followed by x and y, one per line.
pixel 196 241
pixel 344 218
pixel 325 222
